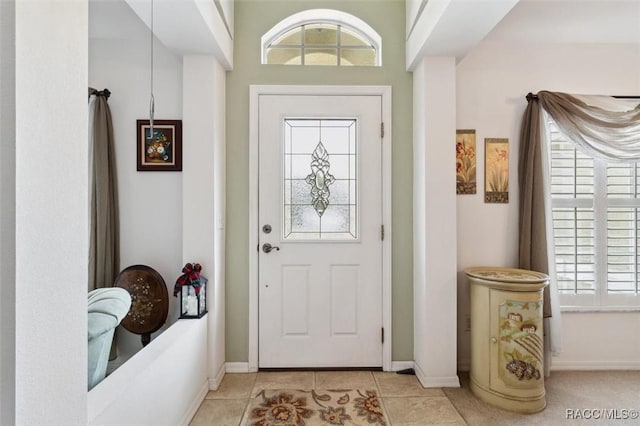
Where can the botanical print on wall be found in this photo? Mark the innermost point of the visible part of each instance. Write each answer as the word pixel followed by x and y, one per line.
pixel 465 161
pixel 496 171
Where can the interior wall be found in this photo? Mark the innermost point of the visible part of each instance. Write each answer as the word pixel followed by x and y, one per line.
pixel 434 285
pixel 204 192
pixel 51 168
pixel 492 81
pixel 255 18
pixel 7 212
pixel 150 202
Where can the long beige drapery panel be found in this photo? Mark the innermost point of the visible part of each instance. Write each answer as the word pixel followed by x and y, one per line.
pixel 533 234
pixel 601 126
pixel 104 242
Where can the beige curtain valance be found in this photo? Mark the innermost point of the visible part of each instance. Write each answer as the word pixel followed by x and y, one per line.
pixel 601 133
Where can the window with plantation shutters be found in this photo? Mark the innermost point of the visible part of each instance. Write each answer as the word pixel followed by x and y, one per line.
pixel 596 219
pixel 622 228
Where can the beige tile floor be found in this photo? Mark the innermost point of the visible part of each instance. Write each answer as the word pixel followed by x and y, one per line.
pixel 405 401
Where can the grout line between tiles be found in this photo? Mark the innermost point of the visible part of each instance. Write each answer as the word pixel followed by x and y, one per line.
pixel 245 412
pixel 384 406
pixel 454 407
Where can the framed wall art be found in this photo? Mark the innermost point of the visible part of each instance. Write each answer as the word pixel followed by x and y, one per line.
pixel 161 151
pixel 496 170
pixel 465 161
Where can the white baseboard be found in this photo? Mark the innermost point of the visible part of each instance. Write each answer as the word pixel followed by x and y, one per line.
pixel 237 367
pixel 401 365
pixel 214 382
pixel 193 408
pixel 593 365
pixel 436 382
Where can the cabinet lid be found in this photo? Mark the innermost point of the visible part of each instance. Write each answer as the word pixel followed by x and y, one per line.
pixel 511 275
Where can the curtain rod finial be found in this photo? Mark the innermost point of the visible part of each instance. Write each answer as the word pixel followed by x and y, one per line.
pixel 531 96
pixel 106 93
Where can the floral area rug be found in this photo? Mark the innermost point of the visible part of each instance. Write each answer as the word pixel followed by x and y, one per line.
pixel 311 408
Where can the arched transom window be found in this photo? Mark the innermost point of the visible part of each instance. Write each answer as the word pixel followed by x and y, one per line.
pixel 322 37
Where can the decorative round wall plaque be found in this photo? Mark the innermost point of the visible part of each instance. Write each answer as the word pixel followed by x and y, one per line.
pixel 149 300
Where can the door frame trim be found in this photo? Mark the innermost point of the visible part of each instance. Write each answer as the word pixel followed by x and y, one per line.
pixel 254 227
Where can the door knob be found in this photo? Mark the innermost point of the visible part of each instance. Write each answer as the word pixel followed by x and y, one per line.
pixel 266 247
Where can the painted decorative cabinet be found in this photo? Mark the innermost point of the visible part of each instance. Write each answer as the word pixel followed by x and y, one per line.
pixel 506 337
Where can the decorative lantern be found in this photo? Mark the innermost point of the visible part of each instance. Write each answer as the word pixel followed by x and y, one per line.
pixel 191 287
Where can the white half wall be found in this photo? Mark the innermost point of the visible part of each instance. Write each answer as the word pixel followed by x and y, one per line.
pixel 493 80
pixel 434 222
pixel 163 384
pixel 51 225
pixel 203 191
pixel 7 213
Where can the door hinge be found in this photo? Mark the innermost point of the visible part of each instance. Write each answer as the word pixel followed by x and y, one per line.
pixel 382 334
pixel 382 232
pixel 382 130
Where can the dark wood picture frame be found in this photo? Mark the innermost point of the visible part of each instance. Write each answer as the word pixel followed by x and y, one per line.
pixel 164 152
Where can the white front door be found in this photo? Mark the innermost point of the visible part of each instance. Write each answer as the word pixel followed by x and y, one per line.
pixel 320 209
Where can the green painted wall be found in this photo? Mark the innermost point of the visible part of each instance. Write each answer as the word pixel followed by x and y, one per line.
pixel 252 20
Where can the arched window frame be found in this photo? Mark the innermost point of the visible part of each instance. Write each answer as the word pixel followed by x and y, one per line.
pixel 324 16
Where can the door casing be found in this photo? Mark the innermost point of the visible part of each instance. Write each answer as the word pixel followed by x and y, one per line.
pixel 254 228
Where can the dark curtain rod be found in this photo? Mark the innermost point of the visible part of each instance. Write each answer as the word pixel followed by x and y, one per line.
pixel 532 96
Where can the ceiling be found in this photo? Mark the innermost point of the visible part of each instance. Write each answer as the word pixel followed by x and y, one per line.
pixel 530 21
pixel 570 21
pixel 114 20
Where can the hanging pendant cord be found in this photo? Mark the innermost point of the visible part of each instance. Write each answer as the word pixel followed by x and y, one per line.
pixel 152 100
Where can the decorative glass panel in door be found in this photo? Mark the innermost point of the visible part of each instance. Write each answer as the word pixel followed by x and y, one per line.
pixel 320 183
